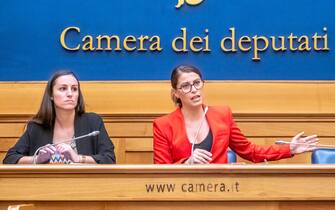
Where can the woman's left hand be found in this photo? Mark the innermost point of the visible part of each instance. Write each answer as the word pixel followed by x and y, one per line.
pixel 300 144
pixel 67 151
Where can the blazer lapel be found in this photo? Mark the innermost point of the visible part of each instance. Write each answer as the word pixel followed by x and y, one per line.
pixel 183 144
pixel 212 122
pixel 78 131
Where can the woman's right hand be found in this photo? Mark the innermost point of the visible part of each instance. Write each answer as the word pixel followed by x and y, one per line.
pixel 200 156
pixel 45 154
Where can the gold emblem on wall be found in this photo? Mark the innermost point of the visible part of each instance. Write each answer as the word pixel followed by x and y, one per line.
pixel 189 2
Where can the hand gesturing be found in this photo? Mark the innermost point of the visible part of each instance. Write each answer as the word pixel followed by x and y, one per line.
pixel 300 144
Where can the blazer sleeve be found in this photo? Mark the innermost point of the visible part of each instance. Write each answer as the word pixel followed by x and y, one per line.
pixel 105 147
pixel 20 149
pixel 252 152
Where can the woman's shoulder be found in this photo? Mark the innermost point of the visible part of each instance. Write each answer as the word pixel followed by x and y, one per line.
pixel 220 112
pixel 220 109
pixel 168 118
pixel 35 128
pixel 91 116
pixel 32 124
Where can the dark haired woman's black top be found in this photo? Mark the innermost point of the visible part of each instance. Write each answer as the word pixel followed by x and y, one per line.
pixel 100 147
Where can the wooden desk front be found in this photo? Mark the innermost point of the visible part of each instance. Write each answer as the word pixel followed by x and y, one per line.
pixel 169 186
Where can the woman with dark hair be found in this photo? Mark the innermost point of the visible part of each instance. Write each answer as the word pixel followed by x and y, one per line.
pixel 60 118
pixel 195 133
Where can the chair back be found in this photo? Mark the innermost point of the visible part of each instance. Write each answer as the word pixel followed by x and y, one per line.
pixel 323 156
pixel 231 156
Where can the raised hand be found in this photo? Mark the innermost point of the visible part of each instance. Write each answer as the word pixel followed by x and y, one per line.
pixel 300 144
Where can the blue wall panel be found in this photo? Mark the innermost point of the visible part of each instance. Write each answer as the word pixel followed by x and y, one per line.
pixel 30 30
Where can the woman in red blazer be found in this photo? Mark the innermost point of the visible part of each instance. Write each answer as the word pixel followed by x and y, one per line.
pixel 209 131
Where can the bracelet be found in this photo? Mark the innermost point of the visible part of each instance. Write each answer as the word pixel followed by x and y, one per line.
pixel 79 159
pixel 82 159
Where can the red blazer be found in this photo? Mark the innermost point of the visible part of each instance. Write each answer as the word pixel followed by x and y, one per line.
pixel 171 144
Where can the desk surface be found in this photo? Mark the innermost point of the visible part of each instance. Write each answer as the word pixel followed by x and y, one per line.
pixel 169 169
pixel 167 182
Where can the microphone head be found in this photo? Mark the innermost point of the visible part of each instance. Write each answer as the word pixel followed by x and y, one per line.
pixel 95 133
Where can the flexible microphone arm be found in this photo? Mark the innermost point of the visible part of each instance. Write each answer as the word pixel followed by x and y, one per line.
pixel 318 145
pixel 196 135
pixel 94 133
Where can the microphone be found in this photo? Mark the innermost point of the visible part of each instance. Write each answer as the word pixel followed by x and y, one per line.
pixel 318 145
pixel 94 133
pixel 197 133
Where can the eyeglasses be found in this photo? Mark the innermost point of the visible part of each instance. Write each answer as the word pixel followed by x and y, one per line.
pixel 187 87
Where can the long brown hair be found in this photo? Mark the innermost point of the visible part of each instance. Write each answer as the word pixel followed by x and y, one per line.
pixel 46 114
pixel 176 72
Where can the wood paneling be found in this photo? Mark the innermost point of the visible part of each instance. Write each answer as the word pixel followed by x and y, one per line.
pixel 264 111
pixel 147 97
pixel 279 187
pixel 228 205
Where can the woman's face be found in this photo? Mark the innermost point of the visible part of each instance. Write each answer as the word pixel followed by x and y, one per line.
pixel 65 92
pixel 189 89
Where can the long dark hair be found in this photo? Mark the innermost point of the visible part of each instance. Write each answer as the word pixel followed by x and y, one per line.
pixel 46 114
pixel 176 72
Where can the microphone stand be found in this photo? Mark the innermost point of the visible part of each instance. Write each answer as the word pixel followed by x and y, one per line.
pixel 94 133
pixel 318 145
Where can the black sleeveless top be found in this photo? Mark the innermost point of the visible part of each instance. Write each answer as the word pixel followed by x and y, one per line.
pixel 206 144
